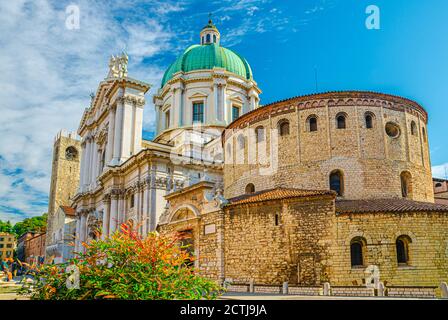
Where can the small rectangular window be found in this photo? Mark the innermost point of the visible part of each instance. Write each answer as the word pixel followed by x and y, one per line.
pixel 235 113
pixel 198 112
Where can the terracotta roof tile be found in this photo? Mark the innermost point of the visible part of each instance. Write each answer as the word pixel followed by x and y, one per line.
pixel 68 210
pixel 387 205
pixel 278 194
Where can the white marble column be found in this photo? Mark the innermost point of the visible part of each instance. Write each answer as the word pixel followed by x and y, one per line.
pixel 113 214
pixel 253 102
pixel 227 112
pixel 137 209
pixel 216 102
pixel 177 105
pixel 94 163
pixel 152 209
pixel 174 109
pixel 138 129
pixel 106 218
pixel 118 133
pixel 181 107
pixel 83 229
pixel 110 136
pixel 82 175
pixel 89 161
pixel 158 120
pixel 78 233
pixel 122 209
pixel 145 213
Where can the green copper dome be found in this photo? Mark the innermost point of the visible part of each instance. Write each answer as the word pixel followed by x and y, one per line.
pixel 206 57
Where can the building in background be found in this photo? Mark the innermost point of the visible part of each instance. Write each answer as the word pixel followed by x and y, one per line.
pixel 441 191
pixel 21 241
pixel 60 247
pixel 7 245
pixel 64 175
pixel 35 249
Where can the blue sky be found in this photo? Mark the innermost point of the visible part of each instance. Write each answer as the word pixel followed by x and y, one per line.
pixel 49 71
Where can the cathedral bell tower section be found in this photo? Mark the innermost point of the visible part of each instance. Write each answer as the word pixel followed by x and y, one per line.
pixel 64 174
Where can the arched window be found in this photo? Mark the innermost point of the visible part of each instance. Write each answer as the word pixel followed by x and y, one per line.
pixel 337 182
pixel 250 188
pixel 283 127
pixel 424 134
pixel 312 123
pixel 214 38
pixel 369 120
pixel 402 247
pixel 277 219
pixel 341 121
pixel 71 153
pixel 208 38
pixel 259 134
pixel 413 128
pixel 357 252
pixel 406 184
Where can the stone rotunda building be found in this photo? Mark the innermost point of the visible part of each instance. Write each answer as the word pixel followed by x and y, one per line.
pixel 312 189
pixel 321 188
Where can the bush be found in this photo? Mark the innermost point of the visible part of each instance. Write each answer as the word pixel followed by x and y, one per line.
pixel 125 266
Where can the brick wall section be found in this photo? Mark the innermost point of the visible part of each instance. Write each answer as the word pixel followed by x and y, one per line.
pixel 409 292
pixel 305 291
pixel 352 291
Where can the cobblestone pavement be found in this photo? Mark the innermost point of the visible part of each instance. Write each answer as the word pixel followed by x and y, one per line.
pixel 8 290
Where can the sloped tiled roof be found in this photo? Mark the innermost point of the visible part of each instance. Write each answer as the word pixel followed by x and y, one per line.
pixel 387 205
pixel 69 211
pixel 278 194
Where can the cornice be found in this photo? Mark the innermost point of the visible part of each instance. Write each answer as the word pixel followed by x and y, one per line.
pixel 332 99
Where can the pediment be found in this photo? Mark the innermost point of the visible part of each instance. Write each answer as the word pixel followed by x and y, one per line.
pixel 237 99
pixel 198 95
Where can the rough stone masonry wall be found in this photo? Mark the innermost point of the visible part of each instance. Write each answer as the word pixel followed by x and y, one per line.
pixel 428 252
pixel 296 250
pixel 370 160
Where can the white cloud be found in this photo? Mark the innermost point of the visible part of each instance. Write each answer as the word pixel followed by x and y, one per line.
pixel 47 74
pixel 440 171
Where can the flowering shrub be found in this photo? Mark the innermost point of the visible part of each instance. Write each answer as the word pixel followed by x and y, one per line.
pixel 125 266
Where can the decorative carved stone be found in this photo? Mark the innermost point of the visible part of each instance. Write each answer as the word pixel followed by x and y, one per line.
pixel 118 66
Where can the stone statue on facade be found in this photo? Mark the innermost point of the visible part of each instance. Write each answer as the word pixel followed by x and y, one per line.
pixel 118 66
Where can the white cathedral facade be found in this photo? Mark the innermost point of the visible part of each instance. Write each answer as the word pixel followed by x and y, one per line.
pixel 126 178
